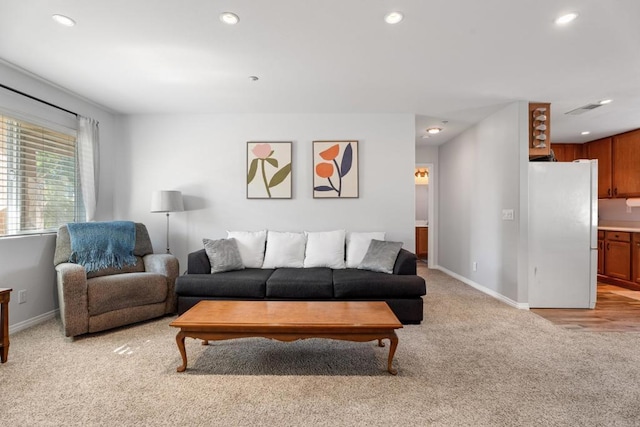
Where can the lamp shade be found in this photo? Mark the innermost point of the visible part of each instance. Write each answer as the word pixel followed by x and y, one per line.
pixel 166 201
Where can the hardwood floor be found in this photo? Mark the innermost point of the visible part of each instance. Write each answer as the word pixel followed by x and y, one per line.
pixel 617 310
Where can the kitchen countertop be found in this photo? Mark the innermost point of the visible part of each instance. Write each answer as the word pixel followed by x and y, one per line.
pixel 628 226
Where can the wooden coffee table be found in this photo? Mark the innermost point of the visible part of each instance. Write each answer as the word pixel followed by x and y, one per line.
pixel 288 321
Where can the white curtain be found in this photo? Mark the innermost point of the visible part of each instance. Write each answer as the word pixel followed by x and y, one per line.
pixel 89 162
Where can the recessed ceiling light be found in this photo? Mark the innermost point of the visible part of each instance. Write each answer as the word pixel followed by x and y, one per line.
pixel 606 101
pixel 565 19
pixel 253 78
pixel 229 18
pixel 434 131
pixel 586 132
pixel 64 20
pixel 393 17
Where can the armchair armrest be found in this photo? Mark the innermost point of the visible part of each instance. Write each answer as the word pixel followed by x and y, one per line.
pixel 72 296
pixel 168 266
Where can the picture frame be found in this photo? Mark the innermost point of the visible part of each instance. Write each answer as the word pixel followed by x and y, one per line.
pixel 335 169
pixel 269 170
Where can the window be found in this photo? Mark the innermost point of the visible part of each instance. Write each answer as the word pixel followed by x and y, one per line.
pixel 39 183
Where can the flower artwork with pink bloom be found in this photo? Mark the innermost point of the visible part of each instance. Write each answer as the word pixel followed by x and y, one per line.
pixel 262 151
pixel 269 170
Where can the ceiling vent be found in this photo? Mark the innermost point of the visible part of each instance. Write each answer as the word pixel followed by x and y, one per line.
pixel 583 109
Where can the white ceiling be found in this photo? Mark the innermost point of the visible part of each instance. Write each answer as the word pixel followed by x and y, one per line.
pixel 448 60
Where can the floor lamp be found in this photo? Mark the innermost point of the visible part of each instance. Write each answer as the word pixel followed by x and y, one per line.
pixel 167 201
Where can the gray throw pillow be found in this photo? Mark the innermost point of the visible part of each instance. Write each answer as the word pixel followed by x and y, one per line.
pixel 223 255
pixel 381 256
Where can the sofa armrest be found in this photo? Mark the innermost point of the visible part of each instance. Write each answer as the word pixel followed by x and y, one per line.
pixel 72 296
pixel 405 263
pixel 168 266
pixel 198 263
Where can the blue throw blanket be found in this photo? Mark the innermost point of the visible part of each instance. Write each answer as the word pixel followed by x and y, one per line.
pixel 97 245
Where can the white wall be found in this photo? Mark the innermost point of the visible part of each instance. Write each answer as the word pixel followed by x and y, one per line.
pixel 27 262
pixel 479 176
pixel 422 202
pixel 204 156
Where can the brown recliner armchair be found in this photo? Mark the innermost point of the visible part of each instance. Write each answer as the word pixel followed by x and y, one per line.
pixel 111 297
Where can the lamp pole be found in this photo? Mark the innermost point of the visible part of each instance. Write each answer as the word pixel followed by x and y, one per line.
pixel 168 233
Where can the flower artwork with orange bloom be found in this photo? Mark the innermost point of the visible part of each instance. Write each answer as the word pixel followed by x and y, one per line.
pixel 335 169
pixel 269 170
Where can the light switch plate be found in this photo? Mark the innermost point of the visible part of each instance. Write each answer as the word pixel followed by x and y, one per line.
pixel 507 214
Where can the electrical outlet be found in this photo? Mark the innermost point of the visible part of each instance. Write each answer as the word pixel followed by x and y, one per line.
pixel 475 266
pixel 22 296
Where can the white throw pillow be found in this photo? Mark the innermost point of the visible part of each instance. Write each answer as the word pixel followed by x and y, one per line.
pixel 251 246
pixel 284 250
pixel 358 244
pixel 325 249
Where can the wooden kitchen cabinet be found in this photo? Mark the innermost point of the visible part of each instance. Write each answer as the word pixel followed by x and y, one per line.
pixel 617 258
pixel 601 149
pixel 422 242
pixel 569 152
pixel 635 258
pixel 600 252
pixel 626 164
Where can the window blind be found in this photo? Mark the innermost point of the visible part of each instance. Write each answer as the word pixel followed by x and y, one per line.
pixel 39 188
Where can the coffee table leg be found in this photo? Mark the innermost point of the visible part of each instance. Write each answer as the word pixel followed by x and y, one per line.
pixel 180 341
pixel 380 342
pixel 392 350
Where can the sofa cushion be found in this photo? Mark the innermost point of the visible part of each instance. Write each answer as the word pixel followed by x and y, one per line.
pixel 381 256
pixel 114 292
pixel 138 267
pixel 357 245
pixel 247 283
pixel 223 255
pixel 251 246
pixel 284 250
pixel 353 283
pixel 324 249
pixel 297 283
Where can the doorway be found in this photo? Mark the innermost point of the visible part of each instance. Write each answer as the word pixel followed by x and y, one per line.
pixel 425 213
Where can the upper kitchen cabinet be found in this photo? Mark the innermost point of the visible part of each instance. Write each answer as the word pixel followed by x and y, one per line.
pixel 601 149
pixel 568 152
pixel 626 164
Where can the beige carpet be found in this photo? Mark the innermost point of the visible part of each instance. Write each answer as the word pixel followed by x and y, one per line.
pixel 473 362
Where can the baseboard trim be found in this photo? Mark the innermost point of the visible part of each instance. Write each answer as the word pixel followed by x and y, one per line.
pixel 485 290
pixel 33 321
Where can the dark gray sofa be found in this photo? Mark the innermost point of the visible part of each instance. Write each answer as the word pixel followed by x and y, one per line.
pixel 402 290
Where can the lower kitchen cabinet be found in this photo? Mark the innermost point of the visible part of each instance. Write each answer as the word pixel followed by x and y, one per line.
pixel 600 252
pixel 619 259
pixel 422 242
pixel 635 258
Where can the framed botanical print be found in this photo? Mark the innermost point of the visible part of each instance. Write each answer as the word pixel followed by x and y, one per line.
pixel 335 169
pixel 269 170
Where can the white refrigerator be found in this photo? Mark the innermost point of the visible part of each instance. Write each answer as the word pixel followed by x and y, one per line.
pixel 563 234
